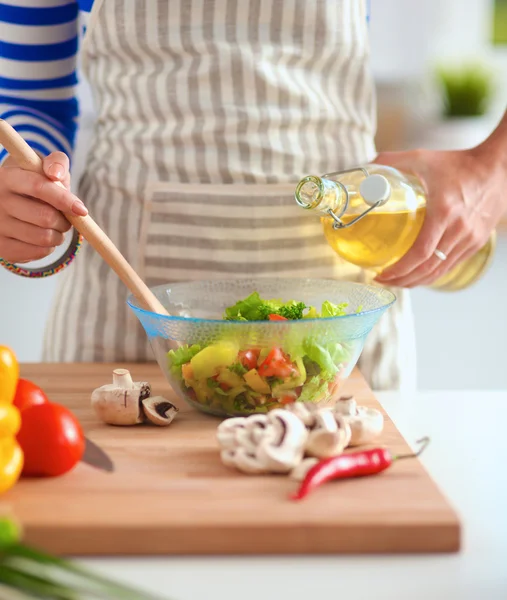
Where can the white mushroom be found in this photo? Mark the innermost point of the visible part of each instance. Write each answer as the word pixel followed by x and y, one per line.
pixel 329 436
pixel 227 432
pixel 366 426
pixel 255 425
pixel 304 410
pixel 299 472
pixel 119 403
pixel 237 443
pixel 365 423
pixel 159 411
pixel 283 445
pixel 271 443
pixel 346 406
pixel 244 461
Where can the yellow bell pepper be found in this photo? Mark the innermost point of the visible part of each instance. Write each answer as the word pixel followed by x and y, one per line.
pixel 11 455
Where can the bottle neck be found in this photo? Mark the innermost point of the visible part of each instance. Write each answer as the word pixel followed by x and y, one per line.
pixel 321 195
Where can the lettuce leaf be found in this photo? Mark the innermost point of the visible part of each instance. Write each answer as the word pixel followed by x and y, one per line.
pixel 333 310
pixel 246 310
pixel 313 390
pixel 320 355
pixel 183 355
pixel 312 313
pixel 254 308
pixel 339 354
pixel 180 357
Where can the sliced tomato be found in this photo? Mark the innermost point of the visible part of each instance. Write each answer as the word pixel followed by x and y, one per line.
pixel 276 364
pixel 249 358
pixel 288 400
pixel 276 318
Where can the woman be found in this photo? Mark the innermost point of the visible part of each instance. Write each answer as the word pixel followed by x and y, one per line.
pixel 208 112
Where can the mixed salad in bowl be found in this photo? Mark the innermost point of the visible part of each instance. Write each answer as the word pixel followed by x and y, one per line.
pixel 235 378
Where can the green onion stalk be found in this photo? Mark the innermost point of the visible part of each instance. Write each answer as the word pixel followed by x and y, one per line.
pixel 27 572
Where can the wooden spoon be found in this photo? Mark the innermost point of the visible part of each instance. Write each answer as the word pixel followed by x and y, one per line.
pixel 29 160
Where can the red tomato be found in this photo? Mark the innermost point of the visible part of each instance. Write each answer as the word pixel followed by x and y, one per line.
pixel 276 318
pixel 28 394
pixel 51 439
pixel 276 364
pixel 224 386
pixel 249 358
pixel 288 400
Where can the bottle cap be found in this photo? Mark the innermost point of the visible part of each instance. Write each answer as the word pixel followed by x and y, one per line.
pixel 375 188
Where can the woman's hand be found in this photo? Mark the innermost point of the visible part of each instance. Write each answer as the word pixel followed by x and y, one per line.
pixel 31 206
pixel 466 198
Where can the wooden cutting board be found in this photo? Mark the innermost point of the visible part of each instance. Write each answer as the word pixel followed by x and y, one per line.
pixel 170 494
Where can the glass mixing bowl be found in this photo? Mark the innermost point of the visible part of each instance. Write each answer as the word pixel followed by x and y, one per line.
pixel 236 368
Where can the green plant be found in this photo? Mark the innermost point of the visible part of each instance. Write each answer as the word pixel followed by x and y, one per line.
pixel 467 91
pixel 500 23
pixel 27 573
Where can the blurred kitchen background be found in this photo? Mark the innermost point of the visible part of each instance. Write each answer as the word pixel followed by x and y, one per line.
pixel 441 73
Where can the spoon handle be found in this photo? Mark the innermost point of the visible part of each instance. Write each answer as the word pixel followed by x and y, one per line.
pixel 29 160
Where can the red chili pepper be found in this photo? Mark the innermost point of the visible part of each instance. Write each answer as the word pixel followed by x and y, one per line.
pixel 352 464
pixel 277 318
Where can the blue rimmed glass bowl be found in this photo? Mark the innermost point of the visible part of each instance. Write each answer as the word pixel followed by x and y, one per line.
pixel 236 368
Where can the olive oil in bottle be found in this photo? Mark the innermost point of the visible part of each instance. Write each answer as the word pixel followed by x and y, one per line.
pixel 371 217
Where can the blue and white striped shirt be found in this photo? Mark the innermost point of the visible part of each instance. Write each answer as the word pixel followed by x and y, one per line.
pixel 39 41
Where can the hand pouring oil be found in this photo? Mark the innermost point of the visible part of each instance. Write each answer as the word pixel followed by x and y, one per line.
pixel 372 216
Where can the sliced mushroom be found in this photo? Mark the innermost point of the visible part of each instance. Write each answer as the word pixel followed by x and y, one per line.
pixel 366 425
pixel 346 405
pixel 244 461
pixel 227 431
pixel 283 446
pixel 159 411
pixel 256 427
pixel 228 457
pixel 304 411
pixel 329 436
pixel 119 403
pixel 299 472
pixel 271 443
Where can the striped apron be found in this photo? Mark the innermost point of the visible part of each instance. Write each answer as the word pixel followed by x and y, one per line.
pixel 208 113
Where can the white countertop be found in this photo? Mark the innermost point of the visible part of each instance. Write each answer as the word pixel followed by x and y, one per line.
pixel 466 459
